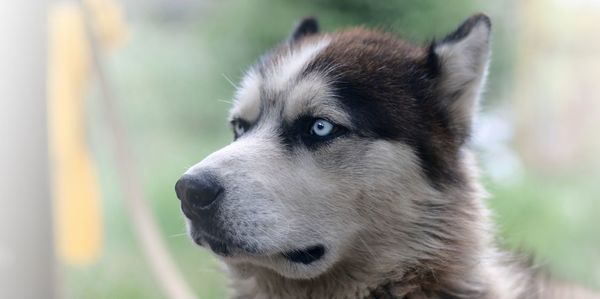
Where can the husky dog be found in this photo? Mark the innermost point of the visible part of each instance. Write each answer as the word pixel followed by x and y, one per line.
pixel 350 174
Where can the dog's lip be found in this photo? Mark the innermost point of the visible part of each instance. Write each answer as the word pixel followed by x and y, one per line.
pixel 223 247
pixel 219 247
pixel 306 255
pixel 303 255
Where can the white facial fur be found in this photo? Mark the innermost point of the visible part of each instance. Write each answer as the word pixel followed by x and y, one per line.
pixel 247 96
pixel 289 65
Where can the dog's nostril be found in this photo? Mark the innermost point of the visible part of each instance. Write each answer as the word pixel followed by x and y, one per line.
pixel 203 194
pixel 198 190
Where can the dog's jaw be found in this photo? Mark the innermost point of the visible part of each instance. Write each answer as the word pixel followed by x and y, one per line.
pixel 473 268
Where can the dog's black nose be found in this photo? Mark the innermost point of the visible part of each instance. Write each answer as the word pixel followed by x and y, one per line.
pixel 198 191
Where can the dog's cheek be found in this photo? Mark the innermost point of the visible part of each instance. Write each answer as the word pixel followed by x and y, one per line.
pixel 328 180
pixel 343 156
pixel 345 164
pixel 390 179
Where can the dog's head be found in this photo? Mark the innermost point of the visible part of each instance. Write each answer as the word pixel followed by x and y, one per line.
pixel 343 142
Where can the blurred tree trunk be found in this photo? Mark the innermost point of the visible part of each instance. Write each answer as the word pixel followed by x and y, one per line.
pixel 26 250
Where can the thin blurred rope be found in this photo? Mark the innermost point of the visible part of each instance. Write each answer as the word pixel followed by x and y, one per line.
pixel 145 226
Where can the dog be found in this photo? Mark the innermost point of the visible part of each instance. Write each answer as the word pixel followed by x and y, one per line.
pixel 350 174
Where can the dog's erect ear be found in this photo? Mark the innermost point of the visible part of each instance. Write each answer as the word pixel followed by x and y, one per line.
pixel 460 60
pixel 307 26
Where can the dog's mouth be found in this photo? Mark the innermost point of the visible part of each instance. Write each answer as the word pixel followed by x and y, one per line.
pixel 305 256
pixel 218 247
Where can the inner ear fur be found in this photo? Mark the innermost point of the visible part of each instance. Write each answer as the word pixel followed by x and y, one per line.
pixel 460 62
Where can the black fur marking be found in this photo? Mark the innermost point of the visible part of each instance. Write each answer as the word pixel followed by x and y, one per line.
pixel 305 256
pixel 433 61
pixel 383 292
pixel 465 28
pixel 450 296
pixel 290 134
pixel 307 26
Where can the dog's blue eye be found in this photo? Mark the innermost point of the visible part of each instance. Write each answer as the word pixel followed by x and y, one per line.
pixel 321 128
pixel 239 129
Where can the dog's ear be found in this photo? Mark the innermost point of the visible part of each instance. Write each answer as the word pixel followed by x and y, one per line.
pixel 307 26
pixel 460 61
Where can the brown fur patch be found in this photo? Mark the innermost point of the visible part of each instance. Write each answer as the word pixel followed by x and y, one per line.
pixel 390 88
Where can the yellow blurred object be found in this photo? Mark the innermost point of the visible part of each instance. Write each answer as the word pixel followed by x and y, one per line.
pixel 107 19
pixel 75 184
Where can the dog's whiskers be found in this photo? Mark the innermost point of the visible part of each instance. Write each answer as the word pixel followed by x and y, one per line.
pixel 177 235
pixel 225 101
pixel 230 81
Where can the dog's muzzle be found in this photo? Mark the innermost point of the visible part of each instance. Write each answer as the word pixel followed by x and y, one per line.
pixel 200 196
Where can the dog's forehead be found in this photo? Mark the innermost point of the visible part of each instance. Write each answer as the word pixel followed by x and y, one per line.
pixel 279 81
pixel 307 76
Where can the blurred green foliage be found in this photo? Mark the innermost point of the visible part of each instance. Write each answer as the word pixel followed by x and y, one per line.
pixel 173 77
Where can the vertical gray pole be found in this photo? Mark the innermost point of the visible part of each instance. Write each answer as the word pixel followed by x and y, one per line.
pixel 26 248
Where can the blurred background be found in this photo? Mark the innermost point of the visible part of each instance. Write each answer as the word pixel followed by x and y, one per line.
pixel 170 66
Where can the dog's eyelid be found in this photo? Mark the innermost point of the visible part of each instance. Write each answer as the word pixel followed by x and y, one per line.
pixel 330 118
pixel 342 122
pixel 239 126
pixel 239 120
